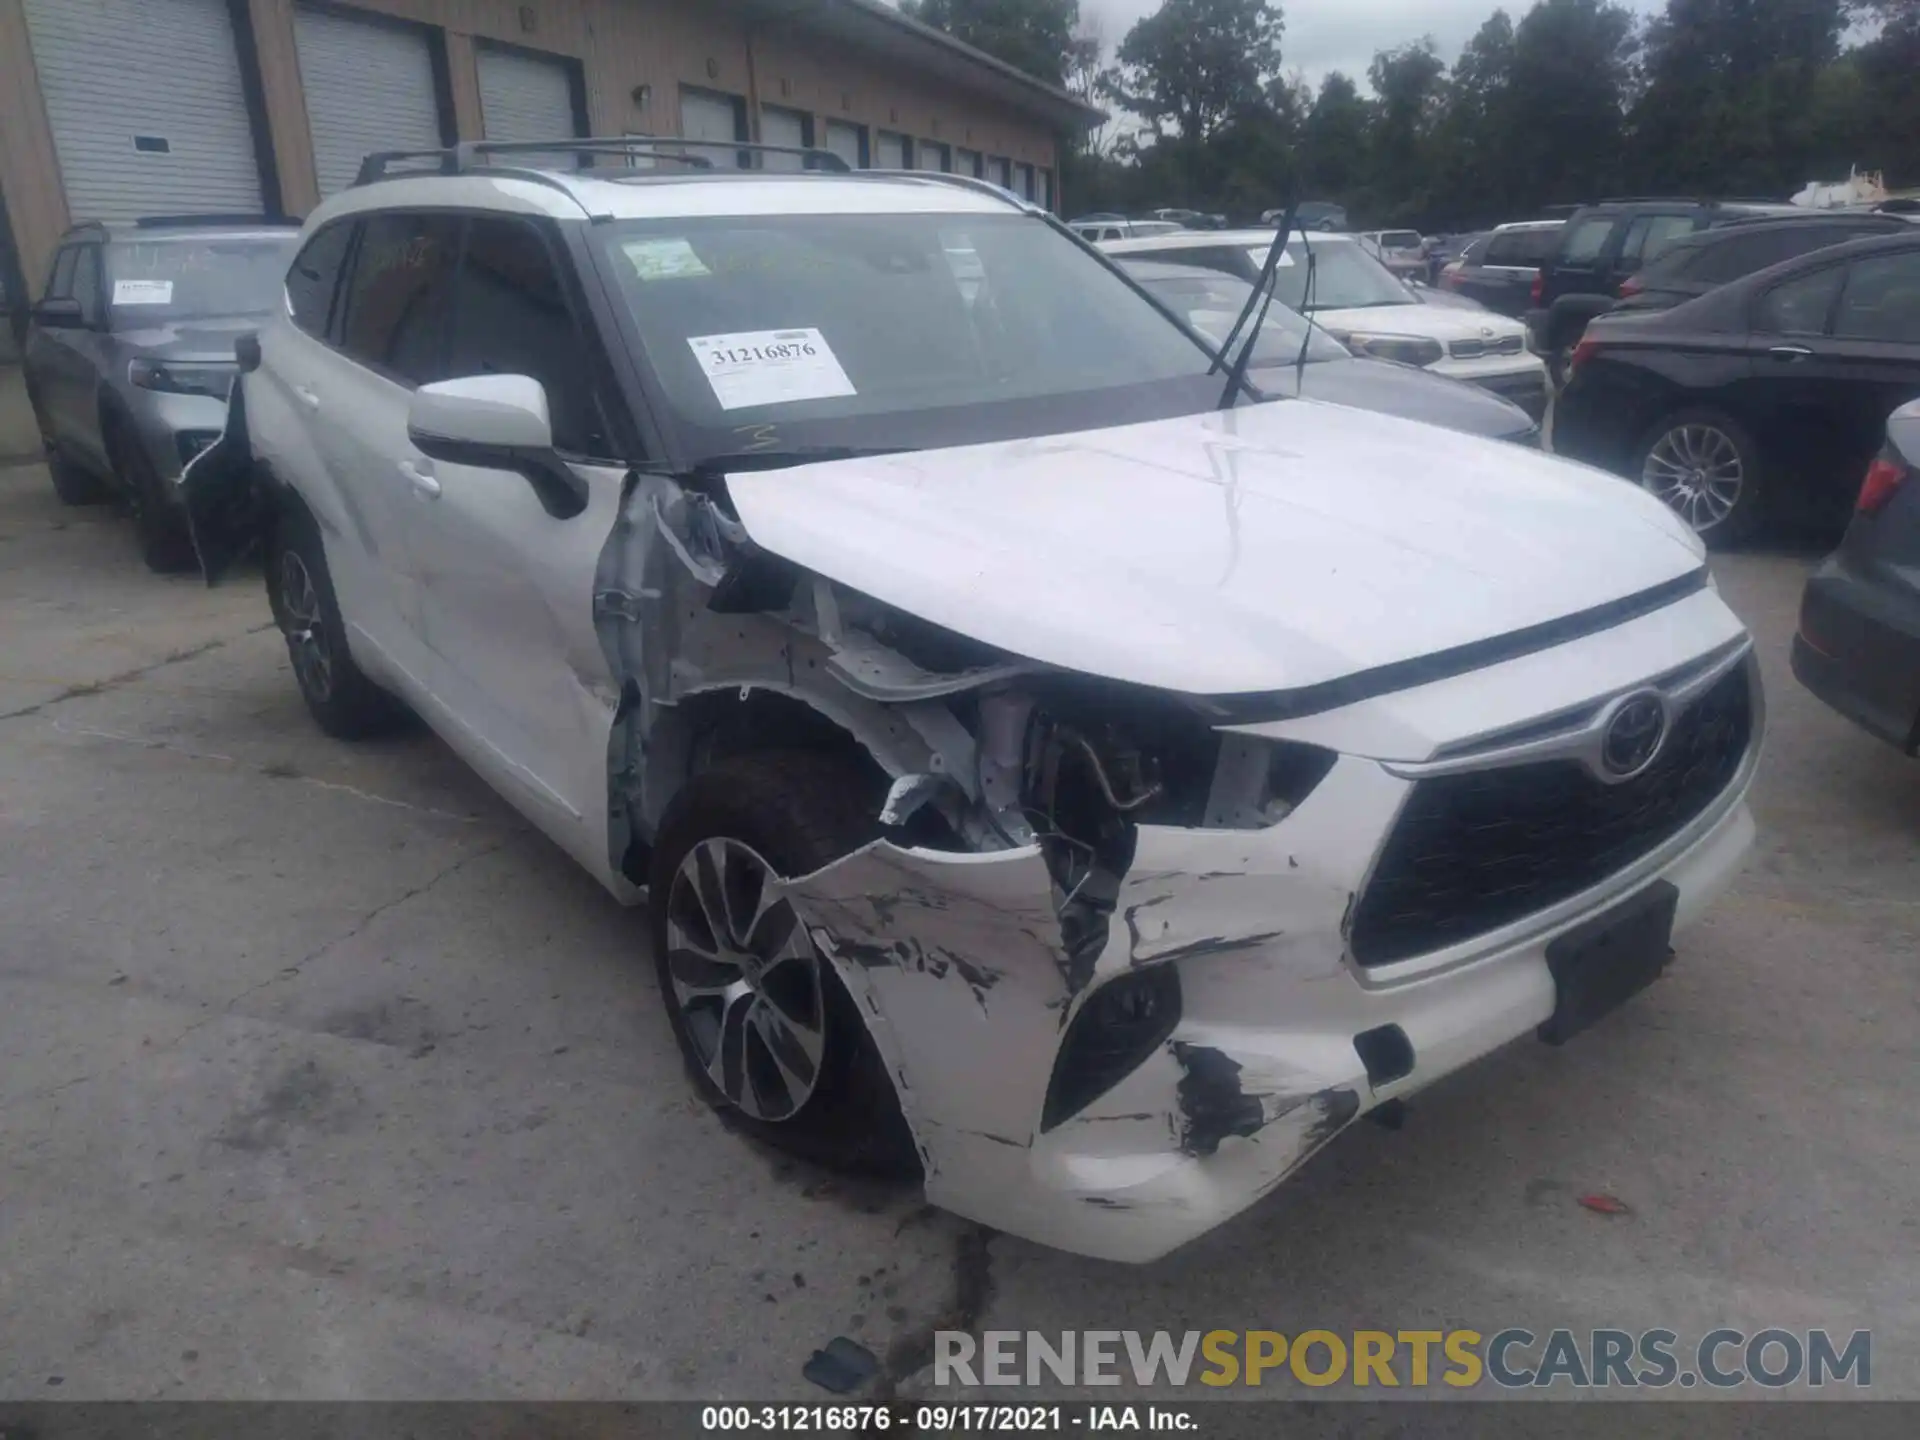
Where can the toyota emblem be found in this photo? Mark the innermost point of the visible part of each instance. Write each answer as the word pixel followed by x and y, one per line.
pixel 1633 736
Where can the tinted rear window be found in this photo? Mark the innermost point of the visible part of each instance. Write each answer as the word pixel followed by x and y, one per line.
pixel 1731 255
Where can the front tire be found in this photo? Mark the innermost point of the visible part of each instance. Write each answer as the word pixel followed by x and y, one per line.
pixel 770 1036
pixel 71 484
pixel 340 697
pixel 1706 468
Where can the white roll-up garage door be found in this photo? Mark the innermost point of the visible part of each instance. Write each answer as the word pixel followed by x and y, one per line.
pixel 525 97
pixel 705 116
pixel 846 141
pixel 370 86
pixel 147 109
pixel 782 127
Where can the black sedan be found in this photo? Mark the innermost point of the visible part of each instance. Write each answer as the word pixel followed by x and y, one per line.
pixel 1292 358
pixel 1859 643
pixel 1760 402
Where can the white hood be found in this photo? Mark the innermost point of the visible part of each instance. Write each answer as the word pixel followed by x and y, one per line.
pixel 1264 548
pixel 1444 323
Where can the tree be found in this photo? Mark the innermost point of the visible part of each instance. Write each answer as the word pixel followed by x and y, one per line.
pixel 1729 91
pixel 1333 144
pixel 1036 36
pixel 1193 65
pixel 1408 86
pixel 1564 121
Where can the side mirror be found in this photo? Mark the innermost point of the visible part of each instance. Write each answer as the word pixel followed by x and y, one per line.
pixel 496 422
pixel 246 352
pixel 61 314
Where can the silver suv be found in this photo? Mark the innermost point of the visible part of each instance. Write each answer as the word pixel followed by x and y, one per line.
pixel 129 357
pixel 1058 770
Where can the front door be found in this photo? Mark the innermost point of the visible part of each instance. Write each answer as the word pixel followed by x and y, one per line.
pixel 505 587
pixel 390 338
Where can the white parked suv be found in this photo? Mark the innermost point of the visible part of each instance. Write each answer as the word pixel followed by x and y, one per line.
pixel 1368 308
pixel 1050 772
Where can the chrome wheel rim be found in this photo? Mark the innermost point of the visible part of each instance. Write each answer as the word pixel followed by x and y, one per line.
pixel 300 621
pixel 746 980
pixel 1696 470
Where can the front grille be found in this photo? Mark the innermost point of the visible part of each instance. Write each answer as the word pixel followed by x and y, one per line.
pixel 1478 349
pixel 1478 850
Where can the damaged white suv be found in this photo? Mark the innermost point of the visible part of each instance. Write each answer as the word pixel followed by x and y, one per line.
pixel 1053 776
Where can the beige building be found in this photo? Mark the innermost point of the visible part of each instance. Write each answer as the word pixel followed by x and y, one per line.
pixel 116 109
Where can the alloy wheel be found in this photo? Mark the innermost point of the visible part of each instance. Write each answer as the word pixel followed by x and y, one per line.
pixel 301 621
pixel 1697 471
pixel 746 979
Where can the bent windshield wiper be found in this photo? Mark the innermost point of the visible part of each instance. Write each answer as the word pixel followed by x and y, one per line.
pixel 743 461
pixel 1256 312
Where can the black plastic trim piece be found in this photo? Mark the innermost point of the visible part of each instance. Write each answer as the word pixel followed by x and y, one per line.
pixel 1446 664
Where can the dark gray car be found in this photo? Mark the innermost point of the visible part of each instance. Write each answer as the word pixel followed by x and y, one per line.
pixel 1210 300
pixel 129 356
pixel 1859 643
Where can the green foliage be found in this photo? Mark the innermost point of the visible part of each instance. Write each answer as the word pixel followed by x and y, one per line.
pixel 1036 36
pixel 1551 102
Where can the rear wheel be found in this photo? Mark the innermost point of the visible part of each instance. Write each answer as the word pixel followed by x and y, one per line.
pixel 341 699
pixel 159 525
pixel 1707 469
pixel 770 1035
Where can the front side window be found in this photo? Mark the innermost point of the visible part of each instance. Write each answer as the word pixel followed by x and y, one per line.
pixel 315 275
pixel 399 295
pixel 511 317
pixel 164 279
pixel 1800 306
pixel 1882 299
pixel 780 332
pixel 86 282
pixel 1587 240
pixel 60 278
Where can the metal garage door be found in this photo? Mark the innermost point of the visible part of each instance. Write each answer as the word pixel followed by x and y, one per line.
pixel 147 109
pixel 890 151
pixel 847 141
pixel 705 116
pixel 783 127
pixel 370 86
pixel 526 97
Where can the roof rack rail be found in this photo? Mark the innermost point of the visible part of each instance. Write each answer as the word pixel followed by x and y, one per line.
pixel 472 155
pixel 158 222
pixel 969 182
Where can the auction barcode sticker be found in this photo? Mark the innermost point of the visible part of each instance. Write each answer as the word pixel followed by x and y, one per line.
pixel 770 367
pixel 143 292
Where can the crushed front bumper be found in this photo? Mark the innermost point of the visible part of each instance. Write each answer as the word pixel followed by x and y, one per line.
pixel 957 963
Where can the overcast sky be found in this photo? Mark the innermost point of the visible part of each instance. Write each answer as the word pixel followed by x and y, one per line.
pixel 1325 35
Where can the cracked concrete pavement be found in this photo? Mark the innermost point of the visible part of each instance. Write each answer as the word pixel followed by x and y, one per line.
pixel 322 1075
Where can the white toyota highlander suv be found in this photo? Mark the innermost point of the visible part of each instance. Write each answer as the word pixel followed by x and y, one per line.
pixel 1051 772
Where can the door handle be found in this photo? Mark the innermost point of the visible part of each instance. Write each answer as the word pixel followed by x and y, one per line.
pixel 307 397
pixel 1790 353
pixel 421 478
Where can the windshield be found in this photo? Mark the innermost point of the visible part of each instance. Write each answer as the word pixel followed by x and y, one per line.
pixel 1211 301
pixel 1345 277
pixel 892 330
pixel 1399 240
pixel 160 281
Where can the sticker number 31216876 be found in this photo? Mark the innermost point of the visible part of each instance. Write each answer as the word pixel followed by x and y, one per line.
pixel 769 367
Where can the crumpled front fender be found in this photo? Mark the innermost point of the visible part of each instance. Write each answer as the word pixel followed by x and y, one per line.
pixel 958 964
